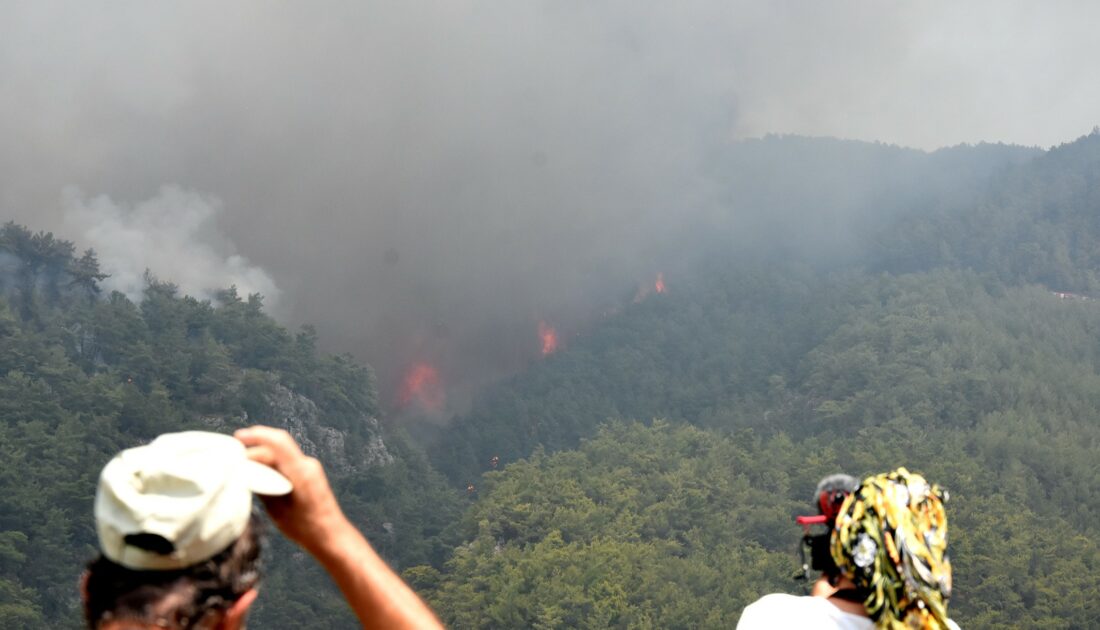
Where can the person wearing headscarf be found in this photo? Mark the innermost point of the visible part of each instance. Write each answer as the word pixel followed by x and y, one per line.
pixel 889 564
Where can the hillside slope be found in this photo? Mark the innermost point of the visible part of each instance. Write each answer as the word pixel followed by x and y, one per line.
pixel 83 375
pixel 932 345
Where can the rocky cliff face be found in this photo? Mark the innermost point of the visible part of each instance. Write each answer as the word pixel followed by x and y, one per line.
pixel 301 417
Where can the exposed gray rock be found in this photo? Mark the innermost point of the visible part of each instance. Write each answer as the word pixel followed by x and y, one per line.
pixel 302 419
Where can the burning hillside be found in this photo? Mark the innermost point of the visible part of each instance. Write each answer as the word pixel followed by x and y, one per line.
pixel 549 338
pixel 422 389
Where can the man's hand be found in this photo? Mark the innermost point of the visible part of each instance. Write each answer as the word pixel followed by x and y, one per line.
pixel 310 512
pixel 310 516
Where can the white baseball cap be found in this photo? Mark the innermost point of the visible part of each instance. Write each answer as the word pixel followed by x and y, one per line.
pixel 193 489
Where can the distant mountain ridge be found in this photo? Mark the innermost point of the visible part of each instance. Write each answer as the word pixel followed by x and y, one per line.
pixel 797 204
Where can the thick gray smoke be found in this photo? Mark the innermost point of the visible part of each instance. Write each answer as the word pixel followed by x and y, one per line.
pixel 426 181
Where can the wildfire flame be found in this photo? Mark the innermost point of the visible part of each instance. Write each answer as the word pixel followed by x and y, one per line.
pixel 644 290
pixel 549 338
pixel 422 386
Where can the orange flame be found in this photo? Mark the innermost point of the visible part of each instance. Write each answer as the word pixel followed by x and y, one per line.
pixel 549 338
pixel 422 386
pixel 659 286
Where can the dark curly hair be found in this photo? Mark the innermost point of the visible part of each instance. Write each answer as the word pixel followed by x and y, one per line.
pixel 182 599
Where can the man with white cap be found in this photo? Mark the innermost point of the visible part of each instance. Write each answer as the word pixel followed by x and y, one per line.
pixel 180 545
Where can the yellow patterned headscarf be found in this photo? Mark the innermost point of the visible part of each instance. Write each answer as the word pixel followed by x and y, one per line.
pixel 891 541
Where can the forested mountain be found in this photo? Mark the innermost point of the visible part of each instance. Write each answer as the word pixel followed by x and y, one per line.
pixel 789 264
pixel 844 307
pixel 956 336
pixel 84 375
pixel 1037 222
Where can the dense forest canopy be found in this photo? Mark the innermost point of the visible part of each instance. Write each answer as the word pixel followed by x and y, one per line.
pixel 646 473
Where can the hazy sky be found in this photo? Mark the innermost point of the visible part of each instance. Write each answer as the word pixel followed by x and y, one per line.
pixel 428 180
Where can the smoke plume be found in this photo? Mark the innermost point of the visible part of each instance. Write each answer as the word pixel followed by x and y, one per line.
pixel 172 236
pixel 427 181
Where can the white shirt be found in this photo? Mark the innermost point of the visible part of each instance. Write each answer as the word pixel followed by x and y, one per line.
pixel 790 611
pixel 778 610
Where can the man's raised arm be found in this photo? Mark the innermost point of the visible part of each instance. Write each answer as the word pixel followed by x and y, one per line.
pixel 312 518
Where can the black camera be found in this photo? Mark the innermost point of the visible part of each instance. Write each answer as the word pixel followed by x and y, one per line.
pixel 828 497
